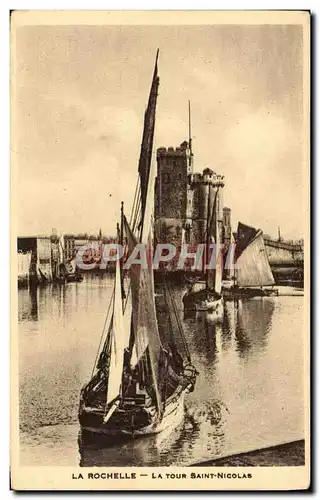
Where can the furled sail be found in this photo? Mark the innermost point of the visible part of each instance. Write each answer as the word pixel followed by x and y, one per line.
pixel 252 266
pixel 147 138
pixel 214 275
pixel 118 342
pixel 144 319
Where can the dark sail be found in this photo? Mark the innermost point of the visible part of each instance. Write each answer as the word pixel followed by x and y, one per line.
pixel 147 138
pixel 245 234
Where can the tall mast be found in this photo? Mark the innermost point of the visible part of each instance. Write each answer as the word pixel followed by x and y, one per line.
pixel 190 138
pixel 208 237
pixel 121 225
pixel 211 232
pixel 120 241
pixel 147 141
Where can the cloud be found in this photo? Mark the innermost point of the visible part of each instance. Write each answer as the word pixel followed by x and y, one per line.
pixel 264 162
pixel 81 97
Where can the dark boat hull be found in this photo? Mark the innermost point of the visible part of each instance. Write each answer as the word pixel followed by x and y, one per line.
pixel 190 299
pixel 137 421
pixel 74 278
pixel 201 300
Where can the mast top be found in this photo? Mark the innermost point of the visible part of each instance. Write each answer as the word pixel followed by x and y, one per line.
pixel 156 64
pixel 279 234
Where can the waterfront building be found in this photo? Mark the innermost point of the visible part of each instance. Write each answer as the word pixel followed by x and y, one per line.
pixel 38 252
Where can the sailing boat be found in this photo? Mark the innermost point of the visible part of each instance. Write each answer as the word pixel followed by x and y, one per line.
pixel 72 271
pixel 67 270
pixel 139 382
pixel 209 298
pixel 252 271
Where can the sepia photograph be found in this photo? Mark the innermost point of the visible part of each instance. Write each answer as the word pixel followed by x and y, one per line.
pixel 160 324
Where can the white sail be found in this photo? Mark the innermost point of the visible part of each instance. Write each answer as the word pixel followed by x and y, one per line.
pixel 71 266
pixel 214 276
pixel 183 237
pixel 219 262
pixel 119 342
pixel 61 248
pixel 252 267
pixel 145 325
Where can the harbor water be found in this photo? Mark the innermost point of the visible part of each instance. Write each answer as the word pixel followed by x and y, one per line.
pixel 249 393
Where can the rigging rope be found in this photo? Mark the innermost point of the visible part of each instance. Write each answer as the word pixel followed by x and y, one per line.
pixel 176 313
pixel 136 215
pixel 134 199
pixel 103 332
pixel 174 306
pixel 169 315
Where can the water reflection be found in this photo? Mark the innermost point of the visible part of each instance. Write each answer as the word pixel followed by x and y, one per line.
pixel 59 301
pixel 206 338
pixel 28 305
pixel 254 321
pixel 201 433
pixel 60 330
pixel 228 326
pixel 245 327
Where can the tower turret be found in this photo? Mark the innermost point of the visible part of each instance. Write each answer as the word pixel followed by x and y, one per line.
pixel 203 202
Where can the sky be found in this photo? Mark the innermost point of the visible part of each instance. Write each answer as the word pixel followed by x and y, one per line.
pixel 81 93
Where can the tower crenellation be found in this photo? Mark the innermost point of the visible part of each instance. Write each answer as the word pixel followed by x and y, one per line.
pixel 172 192
pixel 182 198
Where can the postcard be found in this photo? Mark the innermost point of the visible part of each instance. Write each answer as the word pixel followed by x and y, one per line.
pixel 160 250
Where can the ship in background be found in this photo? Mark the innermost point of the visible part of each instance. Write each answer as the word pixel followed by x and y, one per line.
pixel 209 298
pixel 181 207
pixel 252 276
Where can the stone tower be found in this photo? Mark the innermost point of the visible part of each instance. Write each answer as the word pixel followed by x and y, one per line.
pixel 203 203
pixel 173 194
